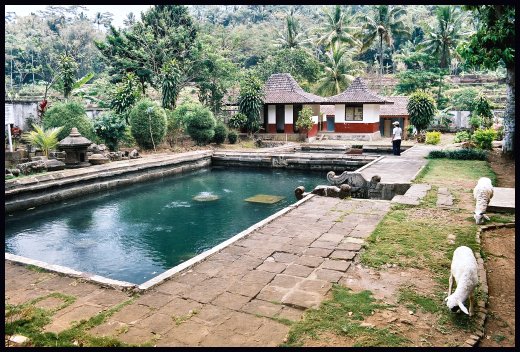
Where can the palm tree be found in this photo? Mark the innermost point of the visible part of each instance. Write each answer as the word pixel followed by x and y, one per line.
pixel 130 19
pixel 98 19
pixel 292 35
pixel 340 70
pixel 443 40
pixel 339 28
pixel 43 139
pixel 385 23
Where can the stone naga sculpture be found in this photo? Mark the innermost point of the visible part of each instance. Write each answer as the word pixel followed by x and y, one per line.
pixel 341 192
pixel 360 188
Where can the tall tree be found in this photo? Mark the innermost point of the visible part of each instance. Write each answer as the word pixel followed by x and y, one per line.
pixel 292 36
pixel 385 22
pixel 442 41
pixel 165 32
pixel 68 68
pixel 491 46
pixel 339 27
pixel 340 70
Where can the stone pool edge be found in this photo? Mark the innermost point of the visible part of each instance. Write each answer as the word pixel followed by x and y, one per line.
pixel 125 286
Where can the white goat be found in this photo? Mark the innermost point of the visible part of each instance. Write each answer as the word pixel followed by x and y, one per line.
pixel 483 192
pixel 464 271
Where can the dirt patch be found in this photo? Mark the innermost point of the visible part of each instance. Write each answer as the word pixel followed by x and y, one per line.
pixel 503 167
pixel 421 328
pixel 499 246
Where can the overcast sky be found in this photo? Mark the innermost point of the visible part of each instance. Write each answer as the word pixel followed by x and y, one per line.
pixel 119 11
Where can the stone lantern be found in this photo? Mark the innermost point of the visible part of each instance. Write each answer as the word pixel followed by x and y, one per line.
pixel 75 148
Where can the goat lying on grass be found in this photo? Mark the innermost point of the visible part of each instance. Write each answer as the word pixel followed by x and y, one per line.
pixel 464 270
pixel 483 192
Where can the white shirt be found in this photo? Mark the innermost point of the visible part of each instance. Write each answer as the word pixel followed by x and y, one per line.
pixel 397 131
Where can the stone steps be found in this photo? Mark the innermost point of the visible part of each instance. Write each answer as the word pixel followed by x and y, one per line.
pixel 414 194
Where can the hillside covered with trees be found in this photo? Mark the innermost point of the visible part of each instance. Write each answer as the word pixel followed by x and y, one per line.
pixel 63 53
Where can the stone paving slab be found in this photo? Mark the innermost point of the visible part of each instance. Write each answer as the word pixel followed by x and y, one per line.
pixel 503 200
pixel 225 300
pixel 444 197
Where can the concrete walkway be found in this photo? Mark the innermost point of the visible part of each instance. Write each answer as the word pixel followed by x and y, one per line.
pixel 399 169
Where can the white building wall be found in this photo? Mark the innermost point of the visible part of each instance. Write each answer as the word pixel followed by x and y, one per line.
pixel 370 113
pixel 288 114
pixel 339 113
pixel 271 114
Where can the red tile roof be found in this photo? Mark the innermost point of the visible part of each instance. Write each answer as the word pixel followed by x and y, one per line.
pixel 358 92
pixel 397 109
pixel 281 88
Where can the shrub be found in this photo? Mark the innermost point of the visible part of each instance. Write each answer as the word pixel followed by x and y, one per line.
pixel 433 137
pixel 462 136
pixel 475 121
pixel 200 124
pixel 43 139
pixel 238 121
pixel 484 138
pixel 304 122
pixel 110 127
pixel 127 140
pixel 175 124
pixel 70 114
pixel 421 107
pixel 221 133
pixel 482 109
pixel 148 123
pixel 467 154
pixel 232 136
pixel 437 154
pixel 459 154
pixel 125 94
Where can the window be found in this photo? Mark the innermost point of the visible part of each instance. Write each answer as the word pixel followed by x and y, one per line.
pixel 353 113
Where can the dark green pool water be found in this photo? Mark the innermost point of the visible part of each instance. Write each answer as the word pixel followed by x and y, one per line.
pixel 137 232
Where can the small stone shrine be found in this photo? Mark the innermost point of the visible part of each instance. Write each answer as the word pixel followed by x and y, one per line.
pixel 75 147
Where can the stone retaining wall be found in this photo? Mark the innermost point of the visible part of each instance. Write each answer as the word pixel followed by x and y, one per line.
pixel 34 191
pixel 302 161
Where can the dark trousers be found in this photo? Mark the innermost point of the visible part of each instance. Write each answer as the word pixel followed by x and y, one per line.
pixel 396 146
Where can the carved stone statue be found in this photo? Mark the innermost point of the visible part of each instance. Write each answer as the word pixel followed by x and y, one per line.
pixel 341 192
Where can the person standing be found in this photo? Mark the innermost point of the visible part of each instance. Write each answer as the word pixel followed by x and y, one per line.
pixel 396 138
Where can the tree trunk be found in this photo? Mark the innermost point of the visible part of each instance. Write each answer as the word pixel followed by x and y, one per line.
pixel 381 62
pixel 509 114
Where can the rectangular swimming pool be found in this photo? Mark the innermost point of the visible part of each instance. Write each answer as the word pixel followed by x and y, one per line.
pixel 137 232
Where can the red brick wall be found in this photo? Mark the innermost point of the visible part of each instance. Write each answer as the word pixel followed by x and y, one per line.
pixel 346 127
pixel 271 128
pixel 288 128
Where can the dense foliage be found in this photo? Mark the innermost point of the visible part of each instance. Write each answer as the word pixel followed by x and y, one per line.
pixel 221 133
pixel 124 95
pixel 233 136
pixel 433 137
pixel 421 108
pixel 250 101
pixel 459 154
pixel 110 127
pixel 237 121
pixel 148 124
pixel 484 138
pixel 304 122
pixel 205 51
pixel 45 139
pixel 68 115
pixel 200 124
pixel 491 46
